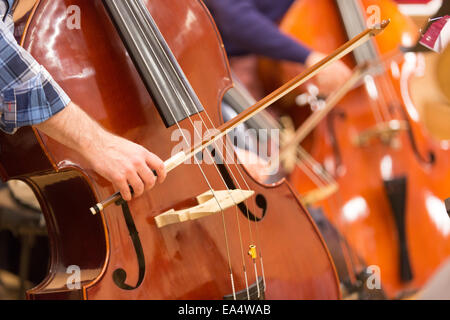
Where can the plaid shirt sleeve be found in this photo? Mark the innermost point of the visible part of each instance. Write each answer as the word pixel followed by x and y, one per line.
pixel 28 94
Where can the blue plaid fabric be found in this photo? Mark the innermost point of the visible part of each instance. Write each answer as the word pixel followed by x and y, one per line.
pixel 28 94
pixel 10 5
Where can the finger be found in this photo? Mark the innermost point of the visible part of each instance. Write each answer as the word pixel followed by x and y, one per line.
pixel 157 164
pixel 124 190
pixel 136 183
pixel 147 177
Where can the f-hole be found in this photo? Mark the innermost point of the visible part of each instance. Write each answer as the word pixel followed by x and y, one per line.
pixel 120 275
pixel 430 157
pixel 260 200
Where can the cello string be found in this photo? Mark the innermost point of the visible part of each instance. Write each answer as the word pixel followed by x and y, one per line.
pixel 257 235
pixel 376 63
pixel 378 113
pixel 393 95
pixel 382 61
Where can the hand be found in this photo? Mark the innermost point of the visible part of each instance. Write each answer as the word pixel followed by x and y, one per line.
pixel 330 78
pixel 118 160
pixel 125 164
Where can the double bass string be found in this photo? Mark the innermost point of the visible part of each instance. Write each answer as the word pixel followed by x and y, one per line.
pixel 229 192
pixel 218 203
pixel 201 169
pixel 213 192
pixel 217 149
pixel 258 242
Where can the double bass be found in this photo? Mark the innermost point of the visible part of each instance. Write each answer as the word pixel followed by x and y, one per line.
pixel 392 174
pixel 124 251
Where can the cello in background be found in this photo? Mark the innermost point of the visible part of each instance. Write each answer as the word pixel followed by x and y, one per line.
pixel 122 252
pixel 392 175
pixel 352 272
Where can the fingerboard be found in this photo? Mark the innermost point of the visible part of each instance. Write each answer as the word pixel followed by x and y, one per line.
pixel 354 22
pixel 159 70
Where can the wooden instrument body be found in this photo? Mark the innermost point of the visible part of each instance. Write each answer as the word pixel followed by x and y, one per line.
pixel 183 261
pixel 362 210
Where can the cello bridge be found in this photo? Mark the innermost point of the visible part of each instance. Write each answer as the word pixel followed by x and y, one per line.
pixel 384 132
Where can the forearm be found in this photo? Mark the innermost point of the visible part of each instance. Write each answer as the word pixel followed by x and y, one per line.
pixel 120 161
pixel 75 129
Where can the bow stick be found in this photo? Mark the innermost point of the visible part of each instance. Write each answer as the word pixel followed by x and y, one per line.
pixel 227 127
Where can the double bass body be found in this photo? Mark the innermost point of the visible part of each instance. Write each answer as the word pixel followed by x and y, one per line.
pixel 190 260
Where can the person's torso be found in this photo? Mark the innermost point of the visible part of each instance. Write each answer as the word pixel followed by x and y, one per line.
pixel 274 9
